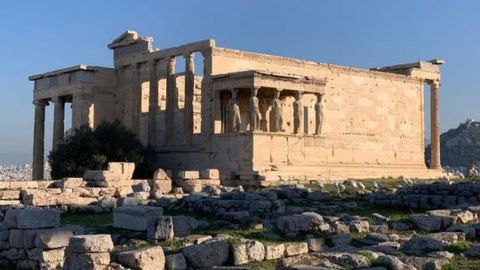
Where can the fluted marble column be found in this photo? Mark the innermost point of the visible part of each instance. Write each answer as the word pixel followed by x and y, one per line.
pixel 189 92
pixel 82 110
pixel 58 120
pixel 435 125
pixel 38 140
pixel 136 98
pixel 153 104
pixel 172 101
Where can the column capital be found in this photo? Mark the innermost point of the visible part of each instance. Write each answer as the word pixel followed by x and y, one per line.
pixel 298 95
pixel 153 62
pixel 40 102
pixel 254 90
pixel 58 99
pixel 206 53
pixel 134 66
pixel 189 55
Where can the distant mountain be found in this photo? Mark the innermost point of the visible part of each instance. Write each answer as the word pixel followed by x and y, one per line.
pixel 11 158
pixel 460 147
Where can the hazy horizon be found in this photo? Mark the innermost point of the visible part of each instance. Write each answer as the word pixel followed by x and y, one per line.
pixel 43 36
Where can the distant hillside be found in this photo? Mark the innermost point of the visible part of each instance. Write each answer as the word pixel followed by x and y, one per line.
pixel 460 146
pixel 14 158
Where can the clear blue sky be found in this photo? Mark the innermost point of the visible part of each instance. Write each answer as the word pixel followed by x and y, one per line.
pixel 38 36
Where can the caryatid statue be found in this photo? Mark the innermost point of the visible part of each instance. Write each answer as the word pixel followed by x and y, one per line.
pixel 318 114
pixel 297 112
pixel 277 112
pixel 255 115
pixel 234 109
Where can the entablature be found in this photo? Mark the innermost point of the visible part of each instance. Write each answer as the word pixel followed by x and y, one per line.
pixel 261 79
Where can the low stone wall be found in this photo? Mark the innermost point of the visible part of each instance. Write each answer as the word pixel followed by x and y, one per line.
pixel 430 196
pixel 34 239
pixel 75 192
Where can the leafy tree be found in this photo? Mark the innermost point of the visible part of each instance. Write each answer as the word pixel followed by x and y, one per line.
pixel 86 149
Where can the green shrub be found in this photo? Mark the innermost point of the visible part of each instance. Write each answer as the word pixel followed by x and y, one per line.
pixel 86 149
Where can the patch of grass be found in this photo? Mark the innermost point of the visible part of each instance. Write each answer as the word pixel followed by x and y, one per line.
pixel 87 219
pixel 171 246
pixel 459 247
pixel 196 215
pixel 462 263
pixel 367 255
pixel 393 213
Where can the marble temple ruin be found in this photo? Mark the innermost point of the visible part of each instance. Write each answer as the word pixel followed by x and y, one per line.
pixel 259 119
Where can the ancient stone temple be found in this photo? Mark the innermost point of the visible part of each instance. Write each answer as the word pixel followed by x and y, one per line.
pixel 260 119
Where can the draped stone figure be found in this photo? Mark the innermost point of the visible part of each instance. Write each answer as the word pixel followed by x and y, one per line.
pixel 277 112
pixel 297 113
pixel 234 110
pixel 318 115
pixel 255 115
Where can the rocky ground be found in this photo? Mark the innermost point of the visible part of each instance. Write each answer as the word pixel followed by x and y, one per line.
pixel 335 226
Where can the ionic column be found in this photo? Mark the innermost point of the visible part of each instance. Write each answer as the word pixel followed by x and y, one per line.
pixel 82 110
pixel 189 92
pixel 297 113
pixel 435 125
pixel 136 98
pixel 38 140
pixel 172 101
pixel 153 104
pixel 58 121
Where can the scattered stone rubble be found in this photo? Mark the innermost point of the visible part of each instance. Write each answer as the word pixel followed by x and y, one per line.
pixel 430 196
pixel 294 228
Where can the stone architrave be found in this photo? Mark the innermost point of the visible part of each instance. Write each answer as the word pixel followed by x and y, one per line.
pixel 318 115
pixel 255 115
pixel 277 112
pixel 297 113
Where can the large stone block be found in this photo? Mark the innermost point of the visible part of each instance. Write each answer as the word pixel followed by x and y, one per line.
pixel 52 259
pixel 135 217
pixel 161 174
pixel 87 261
pixel 53 238
pixel 292 249
pixel 175 262
pixel 206 255
pixel 10 219
pixel 191 175
pixel 16 239
pixel 248 251
pixel 37 218
pixel 163 186
pixel 274 251
pixel 209 174
pixel 116 171
pixel 90 243
pixel 145 259
pixel 9 194
pixel 184 225
pixel 40 197
pixel 159 229
pixel 71 182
